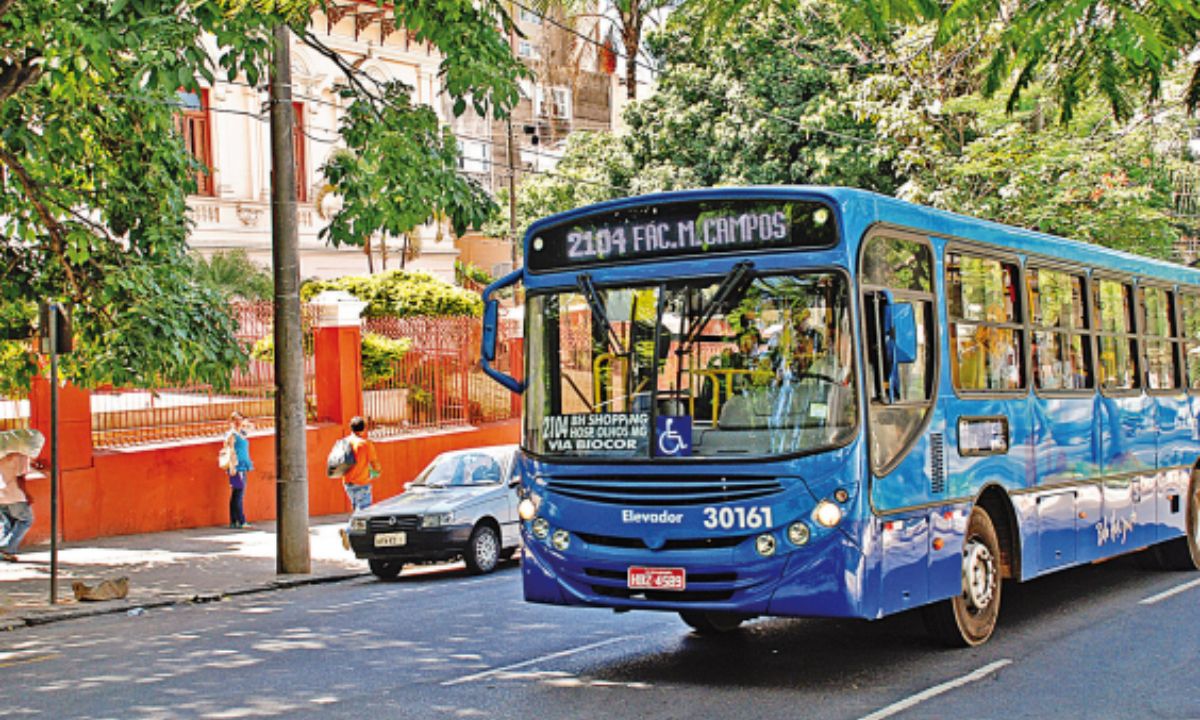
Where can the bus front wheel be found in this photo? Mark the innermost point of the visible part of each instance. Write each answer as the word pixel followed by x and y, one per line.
pixel 968 619
pixel 712 623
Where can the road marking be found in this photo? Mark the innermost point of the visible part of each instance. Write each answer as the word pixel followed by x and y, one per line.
pixel 1170 593
pixel 534 661
pixel 30 660
pixel 933 692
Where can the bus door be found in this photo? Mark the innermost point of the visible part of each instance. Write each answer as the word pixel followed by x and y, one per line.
pixel 1127 423
pixel 905 440
pixel 990 422
pixel 1066 439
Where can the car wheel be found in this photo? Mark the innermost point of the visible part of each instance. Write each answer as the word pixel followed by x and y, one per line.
pixel 483 550
pixel 386 569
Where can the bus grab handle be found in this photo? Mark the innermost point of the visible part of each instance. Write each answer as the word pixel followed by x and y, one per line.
pixel 491 322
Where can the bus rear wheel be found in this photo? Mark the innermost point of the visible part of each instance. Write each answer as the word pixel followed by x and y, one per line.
pixel 712 623
pixel 968 619
pixel 1184 553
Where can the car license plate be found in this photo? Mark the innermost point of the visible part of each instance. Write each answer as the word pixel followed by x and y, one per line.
pixel 648 578
pixel 391 539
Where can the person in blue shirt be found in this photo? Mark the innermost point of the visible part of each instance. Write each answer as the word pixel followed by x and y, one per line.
pixel 236 439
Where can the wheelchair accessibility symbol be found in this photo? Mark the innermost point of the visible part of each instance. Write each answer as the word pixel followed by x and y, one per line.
pixel 673 434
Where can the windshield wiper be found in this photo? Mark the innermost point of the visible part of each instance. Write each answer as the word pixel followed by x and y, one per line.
pixel 734 285
pixel 588 289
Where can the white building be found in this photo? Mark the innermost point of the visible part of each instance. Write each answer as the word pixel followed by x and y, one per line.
pixel 226 126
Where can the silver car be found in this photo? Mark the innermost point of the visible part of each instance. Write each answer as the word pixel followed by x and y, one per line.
pixel 463 504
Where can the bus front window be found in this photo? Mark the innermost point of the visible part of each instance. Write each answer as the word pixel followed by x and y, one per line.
pixel 743 366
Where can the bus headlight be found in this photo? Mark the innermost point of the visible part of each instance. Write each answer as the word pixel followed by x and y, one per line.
pixel 561 540
pixel 526 509
pixel 765 544
pixel 540 528
pixel 798 534
pixel 827 514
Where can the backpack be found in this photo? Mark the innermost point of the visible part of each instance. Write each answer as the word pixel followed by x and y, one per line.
pixel 341 458
pixel 227 457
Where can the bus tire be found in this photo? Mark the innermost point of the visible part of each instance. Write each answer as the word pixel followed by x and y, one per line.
pixel 968 619
pixel 712 623
pixel 1184 553
pixel 386 569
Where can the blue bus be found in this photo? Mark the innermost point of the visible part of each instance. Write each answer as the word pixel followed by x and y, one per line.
pixel 824 402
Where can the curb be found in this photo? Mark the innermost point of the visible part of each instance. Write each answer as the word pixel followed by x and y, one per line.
pixel 53 616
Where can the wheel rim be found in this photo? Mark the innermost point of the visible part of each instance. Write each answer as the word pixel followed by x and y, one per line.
pixel 486 551
pixel 979 576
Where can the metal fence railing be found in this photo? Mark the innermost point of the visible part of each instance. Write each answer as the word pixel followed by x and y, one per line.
pixel 439 383
pixel 123 417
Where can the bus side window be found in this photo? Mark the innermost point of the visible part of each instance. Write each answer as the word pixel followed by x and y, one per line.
pixel 903 269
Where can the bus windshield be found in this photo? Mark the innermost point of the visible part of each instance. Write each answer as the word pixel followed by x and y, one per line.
pixel 745 365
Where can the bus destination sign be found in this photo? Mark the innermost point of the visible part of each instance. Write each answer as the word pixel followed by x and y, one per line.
pixel 683 229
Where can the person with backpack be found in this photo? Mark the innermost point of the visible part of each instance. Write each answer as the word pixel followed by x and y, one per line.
pixel 357 478
pixel 235 461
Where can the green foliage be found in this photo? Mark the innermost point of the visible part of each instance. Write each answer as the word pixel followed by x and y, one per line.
pixel 757 107
pixel 96 178
pixel 469 272
pixel 398 293
pixel 235 276
pixel 379 357
pixel 595 166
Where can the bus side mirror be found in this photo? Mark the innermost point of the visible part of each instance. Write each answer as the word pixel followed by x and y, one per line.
pixel 491 323
pixel 900 341
pixel 903 335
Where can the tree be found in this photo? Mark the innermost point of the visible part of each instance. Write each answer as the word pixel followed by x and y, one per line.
pixel 629 18
pixel 95 178
pixel 234 275
pixel 1122 50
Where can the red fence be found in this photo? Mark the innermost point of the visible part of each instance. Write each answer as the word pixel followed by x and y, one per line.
pixel 122 417
pixel 439 383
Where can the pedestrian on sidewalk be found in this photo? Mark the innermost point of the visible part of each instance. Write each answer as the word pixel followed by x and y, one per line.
pixel 17 448
pixel 236 439
pixel 357 480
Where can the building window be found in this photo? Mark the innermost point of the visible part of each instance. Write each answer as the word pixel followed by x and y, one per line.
pixel 1061 347
pixel 527 50
pixel 298 139
pixel 473 156
pixel 529 16
pixel 553 102
pixel 1118 361
pixel 195 127
pixel 986 335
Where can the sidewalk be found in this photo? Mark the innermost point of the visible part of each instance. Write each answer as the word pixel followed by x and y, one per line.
pixel 196 565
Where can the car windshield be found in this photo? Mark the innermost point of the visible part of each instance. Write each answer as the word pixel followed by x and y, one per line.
pixel 746 365
pixel 461 469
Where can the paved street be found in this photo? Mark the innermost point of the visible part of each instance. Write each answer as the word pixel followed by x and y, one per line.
pixel 1103 641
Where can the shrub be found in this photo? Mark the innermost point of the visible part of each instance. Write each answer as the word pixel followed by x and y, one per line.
pixel 399 293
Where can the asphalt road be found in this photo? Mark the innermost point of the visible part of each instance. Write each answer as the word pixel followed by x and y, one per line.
pixel 1105 641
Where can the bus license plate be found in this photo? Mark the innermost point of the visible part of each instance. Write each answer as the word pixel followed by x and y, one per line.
pixel 391 539
pixel 648 578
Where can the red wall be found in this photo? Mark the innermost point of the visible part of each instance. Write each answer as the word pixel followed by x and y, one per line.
pixel 149 489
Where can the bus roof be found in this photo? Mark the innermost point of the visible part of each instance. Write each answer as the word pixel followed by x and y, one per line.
pixel 860 209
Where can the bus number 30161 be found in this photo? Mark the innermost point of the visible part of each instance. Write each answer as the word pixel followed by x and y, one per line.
pixel 728 518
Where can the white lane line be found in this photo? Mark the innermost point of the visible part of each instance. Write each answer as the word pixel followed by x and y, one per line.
pixel 535 661
pixel 932 692
pixel 1170 593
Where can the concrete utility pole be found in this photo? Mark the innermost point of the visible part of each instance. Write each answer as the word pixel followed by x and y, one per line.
pixel 291 472
pixel 512 192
